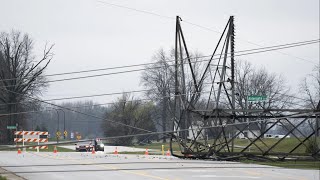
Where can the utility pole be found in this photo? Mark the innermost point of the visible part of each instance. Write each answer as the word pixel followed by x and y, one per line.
pixel 176 92
pixel 57 126
pixel 232 76
pixel 318 107
pixel 64 122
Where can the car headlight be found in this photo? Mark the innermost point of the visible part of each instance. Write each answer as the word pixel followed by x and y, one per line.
pixel 101 145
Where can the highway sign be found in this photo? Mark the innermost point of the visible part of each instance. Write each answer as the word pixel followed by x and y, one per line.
pixel 58 133
pixel 257 98
pixel 65 133
pixel 11 127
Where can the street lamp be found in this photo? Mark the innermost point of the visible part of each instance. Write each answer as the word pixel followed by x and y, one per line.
pixel 64 123
pixel 57 124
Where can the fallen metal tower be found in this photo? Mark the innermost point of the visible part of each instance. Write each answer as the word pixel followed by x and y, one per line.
pixel 207 122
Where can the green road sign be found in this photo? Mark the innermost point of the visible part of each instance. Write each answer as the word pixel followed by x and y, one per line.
pixel 257 98
pixel 11 127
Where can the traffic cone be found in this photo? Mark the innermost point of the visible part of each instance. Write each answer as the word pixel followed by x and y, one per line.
pixel 116 151
pixel 93 151
pixel 168 153
pixel 55 149
pixel 146 153
pixel 19 151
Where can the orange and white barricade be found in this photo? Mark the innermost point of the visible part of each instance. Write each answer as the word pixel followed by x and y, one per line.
pixel 32 137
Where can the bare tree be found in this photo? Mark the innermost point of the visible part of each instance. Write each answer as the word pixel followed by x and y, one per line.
pixel 251 81
pixel 21 74
pixel 310 90
pixel 159 78
pixel 125 114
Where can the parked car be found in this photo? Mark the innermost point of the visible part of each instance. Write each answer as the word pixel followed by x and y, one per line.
pixel 88 146
pixel 84 147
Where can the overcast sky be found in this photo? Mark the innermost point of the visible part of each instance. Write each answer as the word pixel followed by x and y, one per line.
pixel 90 34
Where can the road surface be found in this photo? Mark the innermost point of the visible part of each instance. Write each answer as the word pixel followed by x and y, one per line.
pixel 76 165
pixel 111 149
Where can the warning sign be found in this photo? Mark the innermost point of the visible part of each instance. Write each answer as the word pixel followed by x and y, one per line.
pixel 58 134
pixel 78 137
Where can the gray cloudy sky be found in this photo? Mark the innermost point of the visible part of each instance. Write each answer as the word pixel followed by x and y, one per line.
pixel 89 34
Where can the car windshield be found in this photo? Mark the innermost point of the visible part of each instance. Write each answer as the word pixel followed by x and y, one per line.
pixel 83 143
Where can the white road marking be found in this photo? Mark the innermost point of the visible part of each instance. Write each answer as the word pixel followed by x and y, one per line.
pixel 184 170
pixel 218 176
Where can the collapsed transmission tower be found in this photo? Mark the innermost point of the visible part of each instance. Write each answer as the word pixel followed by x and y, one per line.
pixel 207 123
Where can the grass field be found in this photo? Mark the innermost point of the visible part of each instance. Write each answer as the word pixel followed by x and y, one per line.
pixel 289 164
pixel 50 149
pixel 285 146
pixel 141 152
pixel 158 146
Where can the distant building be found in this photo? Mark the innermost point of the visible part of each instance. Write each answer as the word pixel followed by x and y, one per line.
pixel 275 136
pixel 195 131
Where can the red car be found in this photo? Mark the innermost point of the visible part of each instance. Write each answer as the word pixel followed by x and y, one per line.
pixel 84 147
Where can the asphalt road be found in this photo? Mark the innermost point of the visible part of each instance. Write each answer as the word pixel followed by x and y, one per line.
pixel 75 165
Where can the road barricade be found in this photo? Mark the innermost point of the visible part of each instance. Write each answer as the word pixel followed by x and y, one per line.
pixel 31 137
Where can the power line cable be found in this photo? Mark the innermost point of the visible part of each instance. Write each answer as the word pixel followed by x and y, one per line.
pixel 99 117
pixel 146 99
pixel 196 25
pixel 176 131
pixel 100 104
pixel 137 10
pixel 271 48
pixel 121 72
pixel 69 109
pixel 169 60
pixel 169 133
pixel 250 42
pixel 98 120
pixel 117 93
